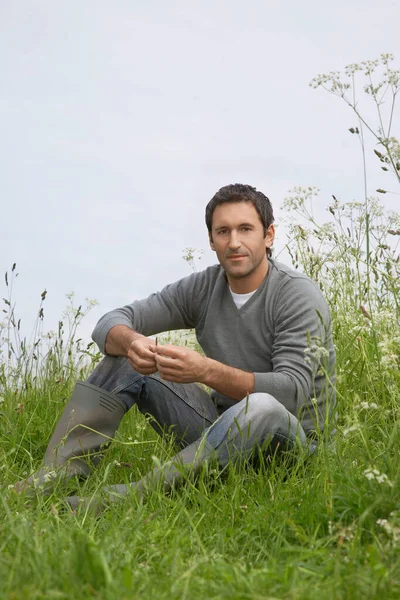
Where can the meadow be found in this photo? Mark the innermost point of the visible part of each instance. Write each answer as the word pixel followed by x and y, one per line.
pixel 328 527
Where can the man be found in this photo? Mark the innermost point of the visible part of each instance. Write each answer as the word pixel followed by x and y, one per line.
pixel 268 358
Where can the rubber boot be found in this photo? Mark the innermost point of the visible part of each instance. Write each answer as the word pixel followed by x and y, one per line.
pixel 87 425
pixel 169 476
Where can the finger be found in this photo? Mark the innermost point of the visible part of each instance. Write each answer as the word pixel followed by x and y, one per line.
pixel 144 351
pixel 170 371
pixel 142 354
pixel 138 363
pixel 141 359
pixel 165 361
pixel 144 369
pixel 170 350
pixel 171 377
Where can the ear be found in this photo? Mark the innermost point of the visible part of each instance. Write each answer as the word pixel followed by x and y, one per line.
pixel 211 241
pixel 270 236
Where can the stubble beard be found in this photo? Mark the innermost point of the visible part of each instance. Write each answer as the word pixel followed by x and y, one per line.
pixel 249 271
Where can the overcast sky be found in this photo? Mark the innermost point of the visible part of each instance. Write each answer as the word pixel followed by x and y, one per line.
pixel 120 120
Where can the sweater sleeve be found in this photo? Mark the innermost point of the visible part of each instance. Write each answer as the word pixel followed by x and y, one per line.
pixel 301 342
pixel 177 306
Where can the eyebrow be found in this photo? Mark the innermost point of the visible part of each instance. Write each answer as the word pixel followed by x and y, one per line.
pixel 240 225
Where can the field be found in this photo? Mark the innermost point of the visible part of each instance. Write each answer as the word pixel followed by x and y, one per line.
pixel 325 528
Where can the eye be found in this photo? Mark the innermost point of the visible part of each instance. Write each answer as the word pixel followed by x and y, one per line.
pixel 222 232
pixel 246 228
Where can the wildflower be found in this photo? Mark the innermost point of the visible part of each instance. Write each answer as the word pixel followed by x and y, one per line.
pixel 316 352
pixel 390 529
pixel 90 302
pixel 373 474
pixel 49 476
pixel 348 430
pixel 389 361
pixel 367 406
pixel 50 335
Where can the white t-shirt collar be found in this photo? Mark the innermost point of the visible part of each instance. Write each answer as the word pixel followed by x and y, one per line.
pixel 241 299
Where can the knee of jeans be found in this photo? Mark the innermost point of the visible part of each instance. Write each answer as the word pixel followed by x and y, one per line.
pixel 261 405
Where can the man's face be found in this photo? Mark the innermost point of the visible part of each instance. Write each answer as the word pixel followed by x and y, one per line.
pixel 237 237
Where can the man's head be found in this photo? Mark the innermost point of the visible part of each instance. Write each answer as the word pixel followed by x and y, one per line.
pixel 241 231
pixel 238 192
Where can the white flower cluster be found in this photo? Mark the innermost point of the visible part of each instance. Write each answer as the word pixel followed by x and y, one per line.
pixel 391 530
pixel 367 67
pixel 385 318
pixel 374 475
pixel 389 361
pixel 344 532
pixel 49 476
pixel 315 353
pixel 350 429
pixel 390 357
pixel 367 406
pixel 300 196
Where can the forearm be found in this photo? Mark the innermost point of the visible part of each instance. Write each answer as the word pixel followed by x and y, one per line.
pixel 119 339
pixel 235 383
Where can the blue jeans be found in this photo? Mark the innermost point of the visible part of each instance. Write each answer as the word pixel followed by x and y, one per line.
pixel 187 410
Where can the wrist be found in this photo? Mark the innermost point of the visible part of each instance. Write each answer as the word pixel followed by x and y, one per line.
pixel 119 340
pixel 207 374
pixel 130 337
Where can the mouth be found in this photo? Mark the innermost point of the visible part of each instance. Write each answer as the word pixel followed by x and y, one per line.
pixel 237 257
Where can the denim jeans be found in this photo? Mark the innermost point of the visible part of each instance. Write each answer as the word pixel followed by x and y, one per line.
pixel 187 410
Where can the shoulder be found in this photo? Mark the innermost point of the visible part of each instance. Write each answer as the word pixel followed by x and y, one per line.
pixel 285 273
pixel 282 276
pixel 292 285
pixel 208 275
pixel 198 283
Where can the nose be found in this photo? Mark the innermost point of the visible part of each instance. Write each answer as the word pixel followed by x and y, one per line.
pixel 234 242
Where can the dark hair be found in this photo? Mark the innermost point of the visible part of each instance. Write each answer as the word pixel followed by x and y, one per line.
pixel 238 192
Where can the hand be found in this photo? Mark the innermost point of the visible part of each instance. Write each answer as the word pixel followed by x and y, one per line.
pixel 179 364
pixel 141 355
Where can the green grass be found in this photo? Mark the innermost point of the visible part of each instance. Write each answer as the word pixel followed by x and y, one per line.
pixel 306 531
pixel 327 528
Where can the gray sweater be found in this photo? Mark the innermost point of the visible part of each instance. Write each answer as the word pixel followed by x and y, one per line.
pixel 282 334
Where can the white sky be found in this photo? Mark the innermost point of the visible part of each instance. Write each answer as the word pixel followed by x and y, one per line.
pixel 119 121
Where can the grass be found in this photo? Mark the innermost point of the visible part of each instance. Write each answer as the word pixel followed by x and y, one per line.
pixel 309 531
pixel 326 528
